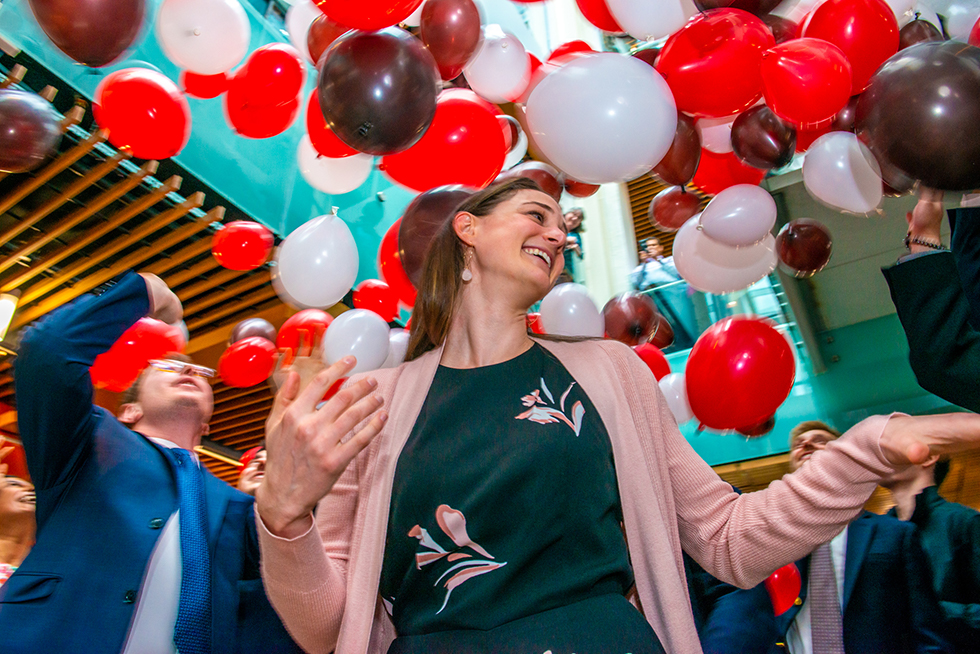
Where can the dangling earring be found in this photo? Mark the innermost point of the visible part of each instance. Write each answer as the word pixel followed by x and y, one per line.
pixel 467 275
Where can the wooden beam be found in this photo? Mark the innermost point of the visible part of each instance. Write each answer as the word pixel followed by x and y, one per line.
pixel 263 294
pixel 15 76
pixel 206 284
pixel 184 275
pixel 182 256
pixel 276 315
pixel 233 290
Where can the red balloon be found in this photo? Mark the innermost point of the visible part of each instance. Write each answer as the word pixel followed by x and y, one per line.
pixel 681 161
pixel 375 295
pixel 568 51
pixel 974 38
pixel 254 121
pixel 784 588
pixel 712 63
pixel 511 130
pixel 117 368
pixel 323 32
pixel 463 145
pixel 580 189
pixel 204 87
pixel 390 266
pixel 451 30
pixel 242 245
pixel 548 178
pixel 761 429
pixel 368 14
pixel 144 111
pixel 866 31
pixel 533 321
pixel 597 12
pixel 654 358
pixel 322 137
pixel 539 71
pixel 672 207
pixel 806 81
pixel 248 362
pixel 805 137
pixel 334 388
pixel 716 172
pixel 272 75
pixel 112 372
pixel 738 373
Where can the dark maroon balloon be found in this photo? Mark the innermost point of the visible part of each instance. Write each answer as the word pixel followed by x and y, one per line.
pixel 663 333
pixel 251 327
pixel 423 218
pixel 918 31
pixel 672 207
pixel 783 29
pixel 804 247
pixel 920 114
pixel 378 90
pixel 29 131
pixel 648 55
pixel 844 120
pixel 630 318
pixel 323 32
pixel 580 189
pixel 548 177
pixel 761 429
pixel 762 139
pixel 757 7
pixel 93 32
pixel 451 31
pixel 681 161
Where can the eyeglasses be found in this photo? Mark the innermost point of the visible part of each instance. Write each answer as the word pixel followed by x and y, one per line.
pixel 180 367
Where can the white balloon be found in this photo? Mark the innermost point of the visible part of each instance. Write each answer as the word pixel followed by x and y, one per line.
pixel 500 68
pixel 206 37
pixel 416 18
pixel 360 333
pixel 603 117
pixel 516 154
pixel 961 16
pixel 318 262
pixel 397 348
pixel 714 267
pixel 569 311
pixel 333 176
pixel 715 133
pixel 674 388
pixel 924 13
pixel 648 20
pixel 841 172
pixel 299 17
pixel 901 8
pixel 739 216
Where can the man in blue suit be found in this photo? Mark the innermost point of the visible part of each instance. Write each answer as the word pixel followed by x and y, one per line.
pixel 139 549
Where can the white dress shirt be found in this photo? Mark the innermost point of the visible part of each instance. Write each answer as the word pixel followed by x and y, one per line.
pixel 798 637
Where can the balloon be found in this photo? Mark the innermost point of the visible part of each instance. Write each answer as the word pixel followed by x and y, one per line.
pixel 500 69
pixel 715 133
pixel 783 29
pixel 654 358
pixel 422 220
pixel 567 310
pixel 739 216
pixel 630 318
pixel 649 20
pixel 242 245
pixel 760 429
pixel 206 37
pixel 415 20
pixel 299 18
pixel 960 17
pixel 718 50
pixel 681 161
pixel 760 8
pixel 517 153
pixel 257 121
pixel 974 38
pixel 247 362
pixel 511 130
pixel 253 327
pixel 333 176
pixel 568 51
pixel 272 75
pixel 804 247
pixel 716 172
pixel 463 145
pixel 603 118
pixel 842 173
pixel 397 348
pixel 672 207
pixel 451 31
pixel 547 177
pixel 784 588
pixel 597 13
pixel 321 35
pixel 920 113
pixel 663 333
pixel 378 90
pixel 374 295
pixel 112 372
pixel 359 333
pixel 533 322
pixel 714 267
pixel 368 14
pixel 204 87
pixel 29 131
pixel 648 55
pixel 318 262
pixel 324 141
pixel 674 388
pixel 147 339
pixel 866 31
pixel 806 81
pixel 95 32
pixel 844 120
pixel 805 137
pixel 580 189
pixel 144 111
pixel 738 373
pixel 762 139
pixel 919 31
pixel 390 266
pixel 302 330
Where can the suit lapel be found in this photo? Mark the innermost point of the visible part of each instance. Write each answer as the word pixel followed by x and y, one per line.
pixel 859 536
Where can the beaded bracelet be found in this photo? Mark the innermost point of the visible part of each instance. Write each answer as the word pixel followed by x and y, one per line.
pixel 909 239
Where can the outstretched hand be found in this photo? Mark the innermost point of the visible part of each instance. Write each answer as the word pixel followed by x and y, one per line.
pixel 305 447
pixel 913 439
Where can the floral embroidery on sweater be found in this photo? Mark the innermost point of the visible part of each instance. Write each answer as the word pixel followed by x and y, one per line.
pixel 548 414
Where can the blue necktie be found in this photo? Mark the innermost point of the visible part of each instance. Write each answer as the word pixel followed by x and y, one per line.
pixel 192 633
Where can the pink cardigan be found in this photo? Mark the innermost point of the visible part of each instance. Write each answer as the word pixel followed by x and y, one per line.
pixel 324 583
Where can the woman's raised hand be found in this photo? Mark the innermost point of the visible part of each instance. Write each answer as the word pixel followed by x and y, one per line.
pixel 306 455
pixel 913 439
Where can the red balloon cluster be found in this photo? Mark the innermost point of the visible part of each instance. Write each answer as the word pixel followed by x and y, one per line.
pixel 117 368
pixel 303 330
pixel 263 96
pixel 247 362
pixel 375 295
pixel 368 14
pixel 716 172
pixel 242 245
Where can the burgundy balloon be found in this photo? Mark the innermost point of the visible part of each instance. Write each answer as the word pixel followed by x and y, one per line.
pixel 758 7
pixel 94 32
pixel 844 120
pixel 630 318
pixel 29 131
pixel 451 30
pixel 423 218
pixel 648 55
pixel 511 129
pixel 681 161
pixel 548 177
pixel 757 430
pixel 783 29
pixel 918 31
pixel 804 247
pixel 323 32
pixel 762 139
pixel 580 189
pixel 378 90
pixel 672 207
pixel 663 333
pixel 253 327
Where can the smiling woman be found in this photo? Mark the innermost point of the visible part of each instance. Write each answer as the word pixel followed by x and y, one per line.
pixel 17 524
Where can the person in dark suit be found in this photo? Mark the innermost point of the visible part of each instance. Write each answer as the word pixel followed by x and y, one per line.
pixel 139 549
